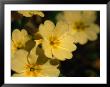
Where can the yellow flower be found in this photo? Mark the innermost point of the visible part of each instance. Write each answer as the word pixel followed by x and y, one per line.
pixel 56 42
pixel 19 38
pixel 81 25
pixel 25 65
pixel 30 13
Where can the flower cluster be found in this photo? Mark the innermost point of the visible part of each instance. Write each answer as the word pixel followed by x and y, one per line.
pixel 57 42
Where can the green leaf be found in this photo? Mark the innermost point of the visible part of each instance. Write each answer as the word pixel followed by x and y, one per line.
pixel 29 45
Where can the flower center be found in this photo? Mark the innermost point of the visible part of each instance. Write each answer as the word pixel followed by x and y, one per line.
pixel 32 70
pixel 80 25
pixel 54 41
pixel 19 45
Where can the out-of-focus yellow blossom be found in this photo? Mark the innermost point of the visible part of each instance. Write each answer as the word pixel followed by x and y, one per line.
pixel 25 65
pixel 19 38
pixel 81 25
pixel 30 13
pixel 56 42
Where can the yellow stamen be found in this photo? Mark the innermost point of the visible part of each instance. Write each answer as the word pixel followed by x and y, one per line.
pixel 54 41
pixel 80 25
pixel 32 70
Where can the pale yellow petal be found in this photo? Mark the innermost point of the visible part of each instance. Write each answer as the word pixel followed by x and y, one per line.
pixel 24 32
pixel 46 29
pixel 61 53
pixel 33 56
pixel 66 43
pixel 16 36
pixel 47 48
pixel 19 38
pixel 61 28
pixel 25 36
pixel 13 48
pixel 91 35
pixel 17 75
pixel 94 27
pixel 89 16
pixel 25 13
pixel 80 37
pixel 38 13
pixel 72 16
pixel 19 61
pixel 30 13
pixel 49 70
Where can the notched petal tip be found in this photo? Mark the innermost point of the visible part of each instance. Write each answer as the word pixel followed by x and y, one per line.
pixel 50 23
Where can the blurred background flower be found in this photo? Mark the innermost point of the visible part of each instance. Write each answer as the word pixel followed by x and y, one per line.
pixel 82 25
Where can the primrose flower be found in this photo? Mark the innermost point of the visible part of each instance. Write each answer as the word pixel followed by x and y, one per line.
pixel 30 13
pixel 81 25
pixel 25 65
pixel 56 42
pixel 19 38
